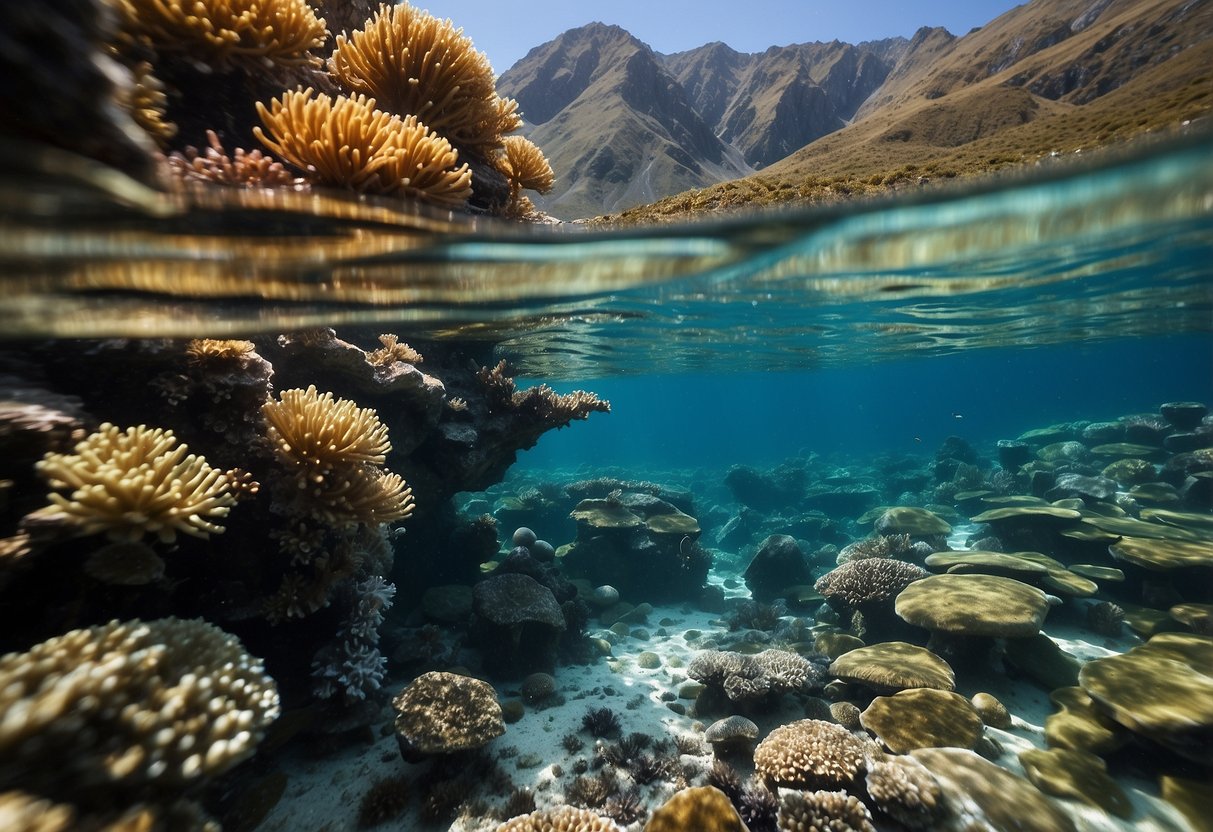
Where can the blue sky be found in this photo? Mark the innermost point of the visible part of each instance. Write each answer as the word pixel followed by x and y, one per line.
pixel 506 31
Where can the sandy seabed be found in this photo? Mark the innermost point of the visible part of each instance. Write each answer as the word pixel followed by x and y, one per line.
pixel 323 795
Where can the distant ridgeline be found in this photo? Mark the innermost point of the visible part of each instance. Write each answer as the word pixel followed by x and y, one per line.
pixel 624 125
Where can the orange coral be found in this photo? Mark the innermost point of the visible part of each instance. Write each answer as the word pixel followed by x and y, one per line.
pixel 348 143
pixel 415 64
pixel 230 32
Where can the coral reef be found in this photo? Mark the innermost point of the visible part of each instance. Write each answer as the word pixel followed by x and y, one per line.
pixel 103 715
pixel 559 819
pixel 903 789
pixel 224 32
pixel 133 483
pixel 810 754
pixel 823 810
pixel 439 713
pixel 243 169
pixel 348 143
pixel 419 65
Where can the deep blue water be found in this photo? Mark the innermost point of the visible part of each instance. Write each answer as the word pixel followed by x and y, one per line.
pixel 691 420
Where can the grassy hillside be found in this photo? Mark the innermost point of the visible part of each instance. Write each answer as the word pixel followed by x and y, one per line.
pixel 954 116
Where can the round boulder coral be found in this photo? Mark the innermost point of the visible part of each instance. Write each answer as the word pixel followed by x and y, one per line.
pixel 810 754
pixel 903 789
pixel 704 809
pixel 823 810
pixel 132 704
pixel 438 713
pixel 559 819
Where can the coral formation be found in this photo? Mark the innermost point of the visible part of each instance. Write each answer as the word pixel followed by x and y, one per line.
pixel 894 665
pixel 559 819
pixel 346 142
pixel 438 713
pixel 526 168
pixel 130 705
pixel 229 32
pixel 814 811
pixel 136 482
pixel 385 800
pixel 600 722
pixel 752 678
pixel 244 169
pixel 922 718
pixel 416 64
pixel 903 789
pixel 702 808
pixel 810 754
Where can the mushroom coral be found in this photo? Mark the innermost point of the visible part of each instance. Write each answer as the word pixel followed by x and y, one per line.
pixel 136 482
pixel 132 704
pixel 415 64
pixel 349 143
pixel 225 33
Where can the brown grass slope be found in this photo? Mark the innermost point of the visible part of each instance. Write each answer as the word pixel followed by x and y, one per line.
pixel 1052 76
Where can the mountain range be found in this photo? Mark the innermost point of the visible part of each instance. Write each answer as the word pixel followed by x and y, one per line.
pixel 625 126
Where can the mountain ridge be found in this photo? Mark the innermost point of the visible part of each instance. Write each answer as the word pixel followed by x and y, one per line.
pixel 623 124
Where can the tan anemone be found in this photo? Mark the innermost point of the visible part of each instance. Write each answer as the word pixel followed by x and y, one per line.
pixel 320 432
pixel 230 32
pixel 416 64
pixel 135 482
pixel 349 143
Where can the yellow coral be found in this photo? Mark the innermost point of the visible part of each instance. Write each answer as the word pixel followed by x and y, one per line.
pixel 319 432
pixel 348 143
pixel 230 32
pixel 136 482
pixel 525 166
pixel 205 350
pixel 415 64
pixel 364 495
pixel 163 703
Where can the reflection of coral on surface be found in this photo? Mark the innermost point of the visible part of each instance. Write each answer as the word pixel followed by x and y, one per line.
pixel 415 64
pixel 229 32
pixel 136 482
pixel 348 143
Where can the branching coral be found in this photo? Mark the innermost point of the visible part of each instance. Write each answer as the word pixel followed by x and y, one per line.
pixel 348 143
pixel 525 168
pixel 745 677
pixel 131 704
pixel 544 403
pixel 136 482
pixel 225 33
pixel 393 350
pixel 246 169
pixel 319 433
pixel 415 64
pixel 559 819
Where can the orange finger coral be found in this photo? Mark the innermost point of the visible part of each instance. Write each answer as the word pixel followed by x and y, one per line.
pixel 348 143
pixel 415 64
pixel 136 482
pixel 230 32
